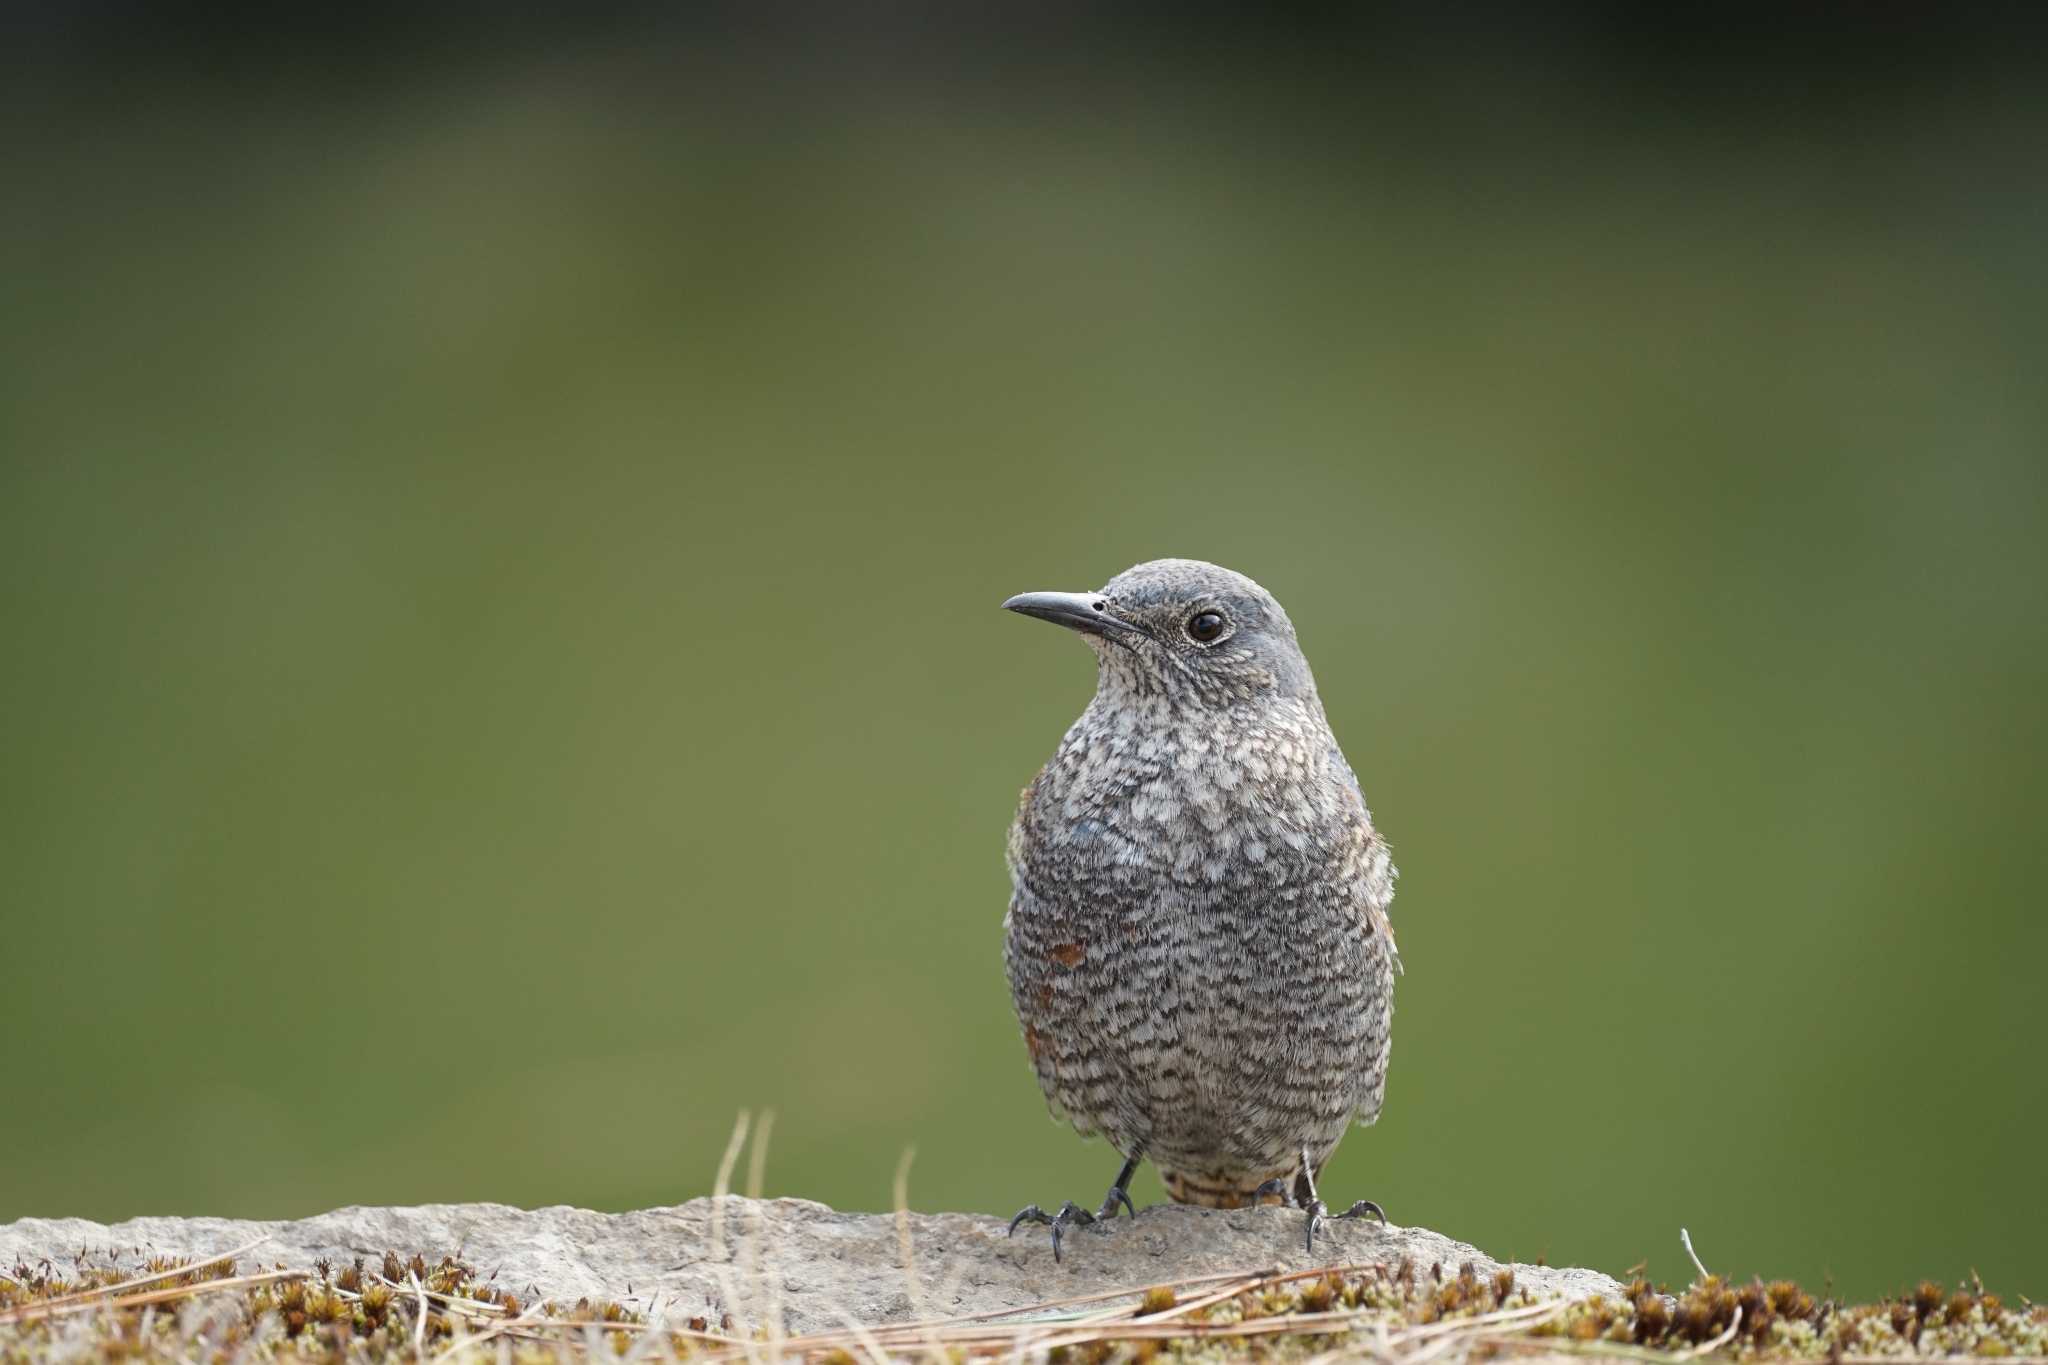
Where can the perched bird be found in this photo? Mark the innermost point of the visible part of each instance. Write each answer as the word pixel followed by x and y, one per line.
pixel 1197 941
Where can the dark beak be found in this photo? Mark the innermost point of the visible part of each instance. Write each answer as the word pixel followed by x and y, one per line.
pixel 1083 611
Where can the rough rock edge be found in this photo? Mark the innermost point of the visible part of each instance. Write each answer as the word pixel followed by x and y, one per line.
pixel 790 1259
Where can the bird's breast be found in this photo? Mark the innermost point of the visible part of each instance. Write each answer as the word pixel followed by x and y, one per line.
pixel 1192 805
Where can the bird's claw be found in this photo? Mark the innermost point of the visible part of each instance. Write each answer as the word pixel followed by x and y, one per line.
pixel 1070 1215
pixel 1364 1206
pixel 1318 1212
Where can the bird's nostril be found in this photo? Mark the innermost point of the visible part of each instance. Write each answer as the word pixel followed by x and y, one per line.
pixel 1098 606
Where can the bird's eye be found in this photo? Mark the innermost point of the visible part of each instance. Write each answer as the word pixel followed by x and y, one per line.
pixel 1205 626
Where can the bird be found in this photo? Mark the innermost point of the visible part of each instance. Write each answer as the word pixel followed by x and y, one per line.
pixel 1197 942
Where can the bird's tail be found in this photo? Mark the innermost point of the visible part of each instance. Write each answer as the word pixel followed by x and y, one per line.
pixel 1217 1191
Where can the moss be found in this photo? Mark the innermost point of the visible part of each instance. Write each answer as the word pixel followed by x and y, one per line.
pixel 1158 1299
pixel 363 1315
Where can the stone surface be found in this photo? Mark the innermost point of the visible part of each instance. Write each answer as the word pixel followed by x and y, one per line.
pixel 801 1263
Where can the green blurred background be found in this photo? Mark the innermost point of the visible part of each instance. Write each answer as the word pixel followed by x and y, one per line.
pixel 502 519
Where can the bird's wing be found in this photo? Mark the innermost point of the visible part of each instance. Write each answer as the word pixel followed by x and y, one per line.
pixel 1384 925
pixel 1377 851
pixel 1344 770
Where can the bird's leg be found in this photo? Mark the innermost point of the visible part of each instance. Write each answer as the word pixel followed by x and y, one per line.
pixel 1120 1192
pixel 1073 1215
pixel 1308 1201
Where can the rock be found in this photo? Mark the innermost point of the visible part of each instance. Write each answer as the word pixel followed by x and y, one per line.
pixel 789 1259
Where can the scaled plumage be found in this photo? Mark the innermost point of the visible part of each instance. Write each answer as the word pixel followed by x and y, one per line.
pixel 1197 941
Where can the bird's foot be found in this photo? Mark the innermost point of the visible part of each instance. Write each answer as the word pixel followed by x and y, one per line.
pixel 1072 1215
pixel 1309 1202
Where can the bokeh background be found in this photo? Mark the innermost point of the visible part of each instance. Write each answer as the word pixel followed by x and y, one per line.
pixel 503 514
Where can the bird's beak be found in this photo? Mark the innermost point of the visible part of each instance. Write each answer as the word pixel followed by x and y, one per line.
pixel 1083 611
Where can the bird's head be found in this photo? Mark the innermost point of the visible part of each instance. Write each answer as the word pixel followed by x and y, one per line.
pixel 1193 632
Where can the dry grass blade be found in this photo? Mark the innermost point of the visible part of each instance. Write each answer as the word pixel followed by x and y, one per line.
pixel 455 1301
pixel 720 1252
pixel 38 1312
pixel 1033 1336
pixel 1342 1320
pixel 1076 1300
pixel 492 1332
pixel 1526 1316
pixel 1447 1336
pixel 1616 1349
pixel 1036 1336
pixel 1249 1284
pixel 876 1353
pixel 899 1190
pixel 767 1286
pixel 419 1327
pixel 1259 1281
pixel 985 1326
pixel 107 1290
pixel 536 1332
pixel 1037 1326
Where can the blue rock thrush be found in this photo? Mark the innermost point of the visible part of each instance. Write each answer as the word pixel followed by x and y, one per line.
pixel 1197 943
